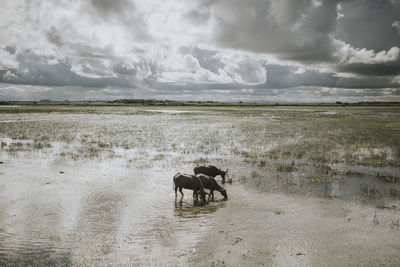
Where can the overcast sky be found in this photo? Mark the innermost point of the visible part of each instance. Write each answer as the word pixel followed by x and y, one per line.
pixel 267 50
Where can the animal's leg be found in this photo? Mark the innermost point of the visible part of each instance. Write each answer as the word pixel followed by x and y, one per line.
pixel 180 190
pixel 212 195
pixel 176 193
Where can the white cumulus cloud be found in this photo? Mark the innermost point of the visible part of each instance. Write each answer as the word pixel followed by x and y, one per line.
pixel 350 55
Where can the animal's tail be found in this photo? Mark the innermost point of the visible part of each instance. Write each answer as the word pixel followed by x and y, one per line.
pixel 173 182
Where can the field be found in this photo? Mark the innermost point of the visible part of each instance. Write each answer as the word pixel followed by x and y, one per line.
pixel 92 185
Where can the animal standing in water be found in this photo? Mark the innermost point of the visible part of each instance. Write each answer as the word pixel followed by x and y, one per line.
pixel 210 170
pixel 191 182
pixel 211 184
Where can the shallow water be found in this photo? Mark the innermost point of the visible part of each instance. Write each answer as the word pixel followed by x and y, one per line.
pixel 93 212
pixel 174 111
pixel 95 188
pixel 276 229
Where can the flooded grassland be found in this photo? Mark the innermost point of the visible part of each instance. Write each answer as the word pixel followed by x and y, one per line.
pixel 92 186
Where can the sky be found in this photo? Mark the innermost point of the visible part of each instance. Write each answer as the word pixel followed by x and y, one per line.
pixel 200 50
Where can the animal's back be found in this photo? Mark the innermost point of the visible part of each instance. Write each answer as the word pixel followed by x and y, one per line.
pixel 208 181
pixel 209 170
pixel 187 181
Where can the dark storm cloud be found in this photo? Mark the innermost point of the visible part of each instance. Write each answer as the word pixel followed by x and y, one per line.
pixel 304 31
pixel 199 16
pixel 122 11
pixel 295 30
pixel 280 76
pixel 368 24
pixel 10 49
pixel 383 69
pixel 47 71
pixel 54 37
pixel 106 7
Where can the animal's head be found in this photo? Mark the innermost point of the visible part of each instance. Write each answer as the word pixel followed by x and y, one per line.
pixel 203 196
pixel 223 192
pixel 223 173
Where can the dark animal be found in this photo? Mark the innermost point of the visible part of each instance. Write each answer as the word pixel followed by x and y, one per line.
pixel 191 182
pixel 210 170
pixel 210 183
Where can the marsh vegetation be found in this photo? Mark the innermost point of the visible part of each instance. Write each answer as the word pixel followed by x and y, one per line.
pixel 93 185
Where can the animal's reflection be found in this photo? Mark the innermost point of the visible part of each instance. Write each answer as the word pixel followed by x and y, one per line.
pixel 196 208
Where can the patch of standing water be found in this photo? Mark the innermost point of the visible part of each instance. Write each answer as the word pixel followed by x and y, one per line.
pixel 174 111
pixel 91 208
pixel 328 113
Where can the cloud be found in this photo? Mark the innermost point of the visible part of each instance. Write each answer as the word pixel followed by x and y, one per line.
pixel 9 76
pixel 49 71
pixel 367 62
pixel 287 76
pixel 74 93
pixel 191 63
pixel 208 59
pixel 396 80
pixel 242 69
pixel 339 13
pixel 8 59
pixel 368 24
pixel 120 12
pixel 316 32
pixel 294 95
pixel 347 54
pixel 199 48
pixel 183 69
pixel 116 7
pixel 396 25
pixel 296 30
pixel 232 68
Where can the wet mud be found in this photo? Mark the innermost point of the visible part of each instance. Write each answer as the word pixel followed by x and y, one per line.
pixel 103 195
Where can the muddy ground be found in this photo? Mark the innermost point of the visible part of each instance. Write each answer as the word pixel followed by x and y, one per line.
pixel 94 188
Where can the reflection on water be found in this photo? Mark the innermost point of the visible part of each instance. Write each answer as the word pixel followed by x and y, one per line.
pixel 32 253
pixel 95 213
pixel 197 209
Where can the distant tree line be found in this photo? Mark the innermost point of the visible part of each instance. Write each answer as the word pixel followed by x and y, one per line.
pixel 155 102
